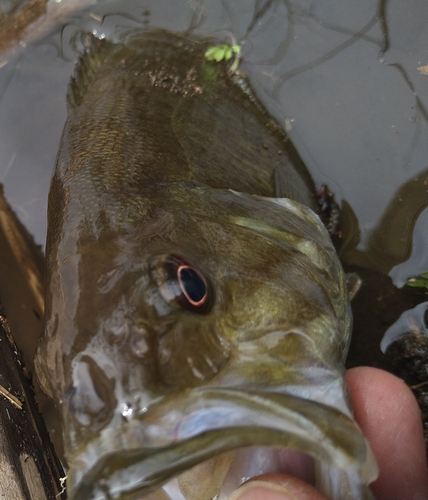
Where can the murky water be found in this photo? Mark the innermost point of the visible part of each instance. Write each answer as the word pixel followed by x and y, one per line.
pixel 347 79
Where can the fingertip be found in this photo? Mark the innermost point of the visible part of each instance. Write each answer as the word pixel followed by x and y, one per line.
pixel 276 487
pixel 261 490
pixel 390 418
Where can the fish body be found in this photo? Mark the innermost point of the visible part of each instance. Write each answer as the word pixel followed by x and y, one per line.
pixel 195 305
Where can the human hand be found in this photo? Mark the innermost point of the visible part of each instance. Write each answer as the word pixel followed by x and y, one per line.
pixel 389 417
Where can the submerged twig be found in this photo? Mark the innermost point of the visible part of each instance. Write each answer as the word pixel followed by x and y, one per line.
pixel 9 396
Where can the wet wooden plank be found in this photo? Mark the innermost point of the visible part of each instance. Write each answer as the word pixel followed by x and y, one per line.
pixel 29 468
pixel 21 281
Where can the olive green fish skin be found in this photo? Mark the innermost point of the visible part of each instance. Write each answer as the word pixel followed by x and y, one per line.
pixel 164 154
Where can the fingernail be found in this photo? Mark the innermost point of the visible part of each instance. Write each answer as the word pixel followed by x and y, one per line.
pixel 260 490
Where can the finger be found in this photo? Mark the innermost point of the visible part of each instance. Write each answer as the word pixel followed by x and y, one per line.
pixel 389 417
pixel 276 487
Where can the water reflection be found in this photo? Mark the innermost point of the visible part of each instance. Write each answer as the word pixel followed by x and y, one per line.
pixel 390 244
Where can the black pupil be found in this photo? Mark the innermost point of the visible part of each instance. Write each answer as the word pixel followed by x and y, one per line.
pixel 192 284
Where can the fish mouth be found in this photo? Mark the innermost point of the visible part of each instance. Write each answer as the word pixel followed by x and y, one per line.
pixel 154 451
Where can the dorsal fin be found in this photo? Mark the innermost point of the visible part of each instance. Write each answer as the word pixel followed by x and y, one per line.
pixel 88 65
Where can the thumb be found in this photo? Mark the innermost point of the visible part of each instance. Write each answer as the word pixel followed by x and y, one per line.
pixel 276 487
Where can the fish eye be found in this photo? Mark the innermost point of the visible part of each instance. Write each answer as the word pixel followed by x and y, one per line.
pixel 182 284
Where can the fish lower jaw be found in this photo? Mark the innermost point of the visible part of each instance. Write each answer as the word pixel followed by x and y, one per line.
pixel 134 475
pixel 217 478
pixel 219 440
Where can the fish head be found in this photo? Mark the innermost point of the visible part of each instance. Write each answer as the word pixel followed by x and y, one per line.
pixel 213 320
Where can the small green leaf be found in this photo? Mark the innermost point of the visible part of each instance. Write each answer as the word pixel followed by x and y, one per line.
pixel 420 281
pixel 224 52
pixel 211 53
pixel 227 53
pixel 219 55
pixel 221 52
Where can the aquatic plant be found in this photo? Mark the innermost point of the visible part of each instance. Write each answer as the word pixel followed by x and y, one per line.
pixel 224 52
pixel 420 281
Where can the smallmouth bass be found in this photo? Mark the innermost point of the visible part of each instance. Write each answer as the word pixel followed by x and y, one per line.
pixel 197 317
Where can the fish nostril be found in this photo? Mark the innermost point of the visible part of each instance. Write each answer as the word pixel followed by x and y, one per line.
pixel 91 399
pixel 139 342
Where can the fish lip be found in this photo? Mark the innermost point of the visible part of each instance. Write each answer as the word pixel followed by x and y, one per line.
pixel 327 434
